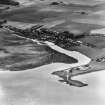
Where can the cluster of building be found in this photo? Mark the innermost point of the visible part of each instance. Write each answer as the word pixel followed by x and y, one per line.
pixel 63 39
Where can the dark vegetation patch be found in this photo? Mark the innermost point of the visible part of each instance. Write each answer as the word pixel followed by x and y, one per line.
pixel 54 3
pixel 64 39
pixel 9 2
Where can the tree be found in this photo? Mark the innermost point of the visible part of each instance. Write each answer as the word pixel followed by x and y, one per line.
pixel 9 2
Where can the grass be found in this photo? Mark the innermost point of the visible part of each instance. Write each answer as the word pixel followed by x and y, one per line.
pixel 28 15
pixel 27 55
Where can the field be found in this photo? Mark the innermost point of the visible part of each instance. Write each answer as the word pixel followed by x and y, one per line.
pixel 63 17
pixel 21 54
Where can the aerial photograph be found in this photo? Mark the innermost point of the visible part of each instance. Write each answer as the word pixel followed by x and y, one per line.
pixel 52 52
